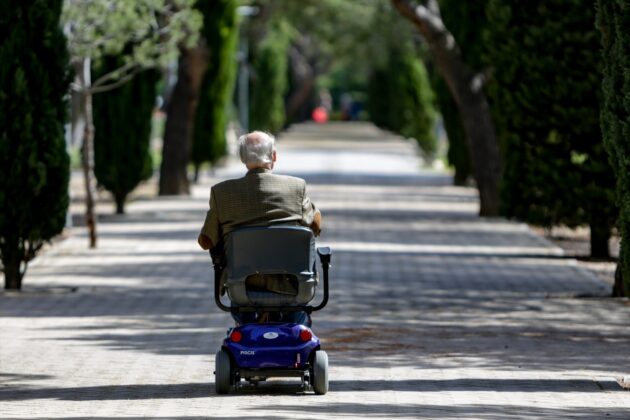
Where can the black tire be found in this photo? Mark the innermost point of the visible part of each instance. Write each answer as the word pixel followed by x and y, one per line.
pixel 222 372
pixel 320 372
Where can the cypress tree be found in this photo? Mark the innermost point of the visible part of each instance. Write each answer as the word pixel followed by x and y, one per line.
pixel 379 97
pixel 34 79
pixel 613 20
pixel 545 96
pixel 270 81
pixel 122 121
pixel 220 31
pixel 401 99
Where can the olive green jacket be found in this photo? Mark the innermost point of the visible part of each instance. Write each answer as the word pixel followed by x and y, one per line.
pixel 260 198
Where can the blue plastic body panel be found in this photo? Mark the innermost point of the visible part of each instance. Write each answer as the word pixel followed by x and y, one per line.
pixel 272 345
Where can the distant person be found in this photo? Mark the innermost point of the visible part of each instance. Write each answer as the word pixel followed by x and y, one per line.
pixel 346 106
pixel 325 100
pixel 260 198
pixel 355 110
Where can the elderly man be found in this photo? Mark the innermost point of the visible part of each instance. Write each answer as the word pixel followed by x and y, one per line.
pixel 260 198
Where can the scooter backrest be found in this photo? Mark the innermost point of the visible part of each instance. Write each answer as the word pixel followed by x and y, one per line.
pixel 269 250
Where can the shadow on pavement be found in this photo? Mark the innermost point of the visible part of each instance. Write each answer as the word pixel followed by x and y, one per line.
pixel 201 390
pixel 112 392
pixel 434 411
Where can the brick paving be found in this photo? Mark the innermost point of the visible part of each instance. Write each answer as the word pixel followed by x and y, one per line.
pixel 434 312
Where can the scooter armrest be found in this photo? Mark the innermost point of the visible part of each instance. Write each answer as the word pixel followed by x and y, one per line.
pixel 325 254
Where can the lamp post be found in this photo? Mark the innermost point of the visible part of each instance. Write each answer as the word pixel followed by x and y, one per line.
pixel 243 74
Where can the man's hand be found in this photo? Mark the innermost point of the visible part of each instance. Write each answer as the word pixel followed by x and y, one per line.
pixel 316 226
pixel 204 242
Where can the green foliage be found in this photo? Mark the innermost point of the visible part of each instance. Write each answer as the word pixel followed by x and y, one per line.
pixel 331 41
pixel 335 30
pixel 34 80
pixel 270 80
pixel 155 29
pixel 545 95
pixel 122 121
pixel 466 20
pixel 220 30
pixel 613 20
pixel 401 99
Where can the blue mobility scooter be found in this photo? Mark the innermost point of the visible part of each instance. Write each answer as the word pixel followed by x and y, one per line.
pixel 270 272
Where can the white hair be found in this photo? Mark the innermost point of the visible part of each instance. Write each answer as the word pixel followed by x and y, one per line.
pixel 256 147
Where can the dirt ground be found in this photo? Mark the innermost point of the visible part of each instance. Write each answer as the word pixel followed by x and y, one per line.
pixel 575 243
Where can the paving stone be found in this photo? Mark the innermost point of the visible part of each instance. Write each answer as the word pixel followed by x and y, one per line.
pixel 434 312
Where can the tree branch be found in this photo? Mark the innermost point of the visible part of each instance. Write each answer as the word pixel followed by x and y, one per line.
pixel 114 74
pixel 429 22
pixel 426 18
pixel 76 87
pixel 434 7
pixel 124 79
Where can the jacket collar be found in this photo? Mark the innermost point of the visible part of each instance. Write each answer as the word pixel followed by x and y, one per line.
pixel 258 171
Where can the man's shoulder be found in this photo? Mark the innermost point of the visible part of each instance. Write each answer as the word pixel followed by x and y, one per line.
pixel 227 185
pixel 287 179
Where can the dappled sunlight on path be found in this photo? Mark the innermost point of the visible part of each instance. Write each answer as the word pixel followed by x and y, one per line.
pixel 433 313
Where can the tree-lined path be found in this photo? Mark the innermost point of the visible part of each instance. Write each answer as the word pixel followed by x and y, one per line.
pixel 434 312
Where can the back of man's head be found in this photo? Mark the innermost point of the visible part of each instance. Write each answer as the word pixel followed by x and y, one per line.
pixel 256 148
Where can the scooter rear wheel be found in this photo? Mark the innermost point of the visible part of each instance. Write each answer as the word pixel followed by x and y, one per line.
pixel 320 372
pixel 223 372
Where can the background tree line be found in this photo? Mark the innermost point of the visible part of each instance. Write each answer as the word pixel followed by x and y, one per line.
pixel 518 87
pixel 539 69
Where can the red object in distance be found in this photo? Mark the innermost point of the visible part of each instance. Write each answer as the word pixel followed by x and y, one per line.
pixel 320 115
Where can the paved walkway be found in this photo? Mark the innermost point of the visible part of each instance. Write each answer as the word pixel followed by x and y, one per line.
pixel 434 313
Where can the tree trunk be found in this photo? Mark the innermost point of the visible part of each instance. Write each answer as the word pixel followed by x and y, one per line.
pixel 466 86
pixel 298 100
pixel 600 234
pixel 83 75
pixel 176 144
pixel 88 170
pixel 482 142
pixel 460 178
pixel 12 275
pixel 619 288
pixel 196 174
pixel 179 122
pixel 304 80
pixel 120 203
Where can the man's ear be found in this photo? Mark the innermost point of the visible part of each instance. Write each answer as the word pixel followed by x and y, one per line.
pixel 274 156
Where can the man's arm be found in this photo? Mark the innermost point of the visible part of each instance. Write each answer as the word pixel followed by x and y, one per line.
pixel 311 216
pixel 209 236
pixel 316 226
pixel 205 242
